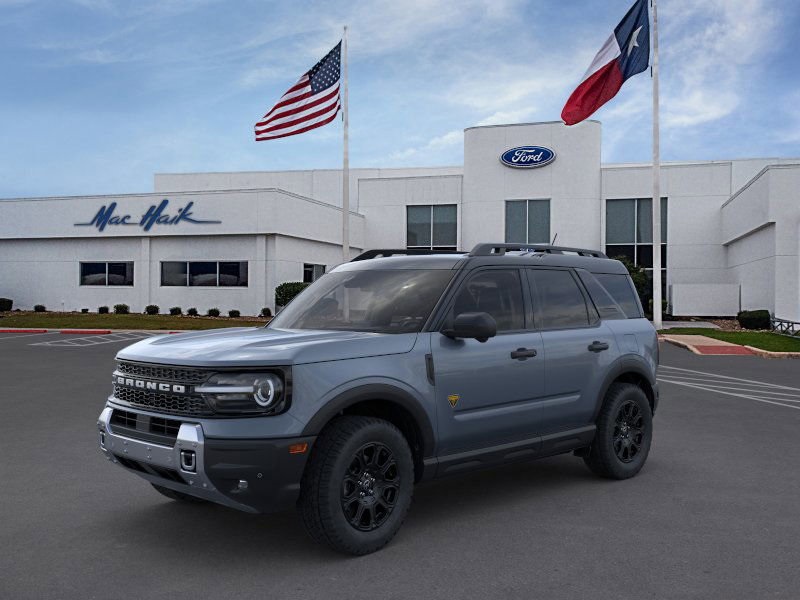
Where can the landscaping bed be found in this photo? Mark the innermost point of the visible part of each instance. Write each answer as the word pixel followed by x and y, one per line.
pixel 765 340
pixel 76 320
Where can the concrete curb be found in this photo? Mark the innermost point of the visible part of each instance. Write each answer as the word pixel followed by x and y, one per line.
pixel 688 347
pixel 756 351
pixel 23 331
pixel 770 354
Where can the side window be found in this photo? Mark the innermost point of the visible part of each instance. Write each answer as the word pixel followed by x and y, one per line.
pixel 605 304
pixel 621 289
pixel 561 302
pixel 497 292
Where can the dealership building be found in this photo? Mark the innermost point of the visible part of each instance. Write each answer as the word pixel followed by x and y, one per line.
pixel 730 228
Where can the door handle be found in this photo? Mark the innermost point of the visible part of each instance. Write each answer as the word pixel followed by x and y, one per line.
pixel 523 353
pixel 596 346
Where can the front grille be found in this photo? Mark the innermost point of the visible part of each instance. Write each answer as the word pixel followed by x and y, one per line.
pixel 163 373
pixel 144 427
pixel 176 404
pixel 160 401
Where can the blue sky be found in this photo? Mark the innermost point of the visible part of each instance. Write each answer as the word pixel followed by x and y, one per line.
pixel 98 95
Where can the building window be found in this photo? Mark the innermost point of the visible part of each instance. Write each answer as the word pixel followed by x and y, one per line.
pixel 629 232
pixel 432 226
pixel 528 221
pixel 204 273
pixel 107 273
pixel 312 272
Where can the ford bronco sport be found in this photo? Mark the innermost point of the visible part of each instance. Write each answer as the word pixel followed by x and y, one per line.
pixel 394 368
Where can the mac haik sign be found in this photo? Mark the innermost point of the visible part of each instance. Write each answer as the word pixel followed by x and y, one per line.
pixel 155 216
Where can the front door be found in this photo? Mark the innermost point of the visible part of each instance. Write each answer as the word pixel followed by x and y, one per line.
pixel 487 393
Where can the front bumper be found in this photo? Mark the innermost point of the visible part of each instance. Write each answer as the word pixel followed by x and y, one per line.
pixel 252 475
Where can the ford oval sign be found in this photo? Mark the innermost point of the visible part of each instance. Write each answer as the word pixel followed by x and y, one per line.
pixel 527 157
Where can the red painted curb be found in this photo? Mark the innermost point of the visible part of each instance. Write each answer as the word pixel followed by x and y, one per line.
pixel 710 350
pixel 23 330
pixel 86 331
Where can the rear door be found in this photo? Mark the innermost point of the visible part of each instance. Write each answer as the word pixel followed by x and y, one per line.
pixel 578 348
pixel 486 393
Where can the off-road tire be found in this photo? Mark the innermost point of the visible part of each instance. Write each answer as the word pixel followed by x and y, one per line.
pixel 329 479
pixel 175 495
pixel 607 454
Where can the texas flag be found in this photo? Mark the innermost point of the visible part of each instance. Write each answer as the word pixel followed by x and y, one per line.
pixel 625 53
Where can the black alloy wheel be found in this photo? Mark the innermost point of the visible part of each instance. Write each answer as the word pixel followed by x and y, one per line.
pixel 624 433
pixel 628 431
pixel 370 487
pixel 358 484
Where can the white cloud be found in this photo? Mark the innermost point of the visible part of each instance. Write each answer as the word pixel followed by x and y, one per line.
pixel 451 139
pixel 707 49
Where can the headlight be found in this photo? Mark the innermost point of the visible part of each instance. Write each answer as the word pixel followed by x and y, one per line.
pixel 244 393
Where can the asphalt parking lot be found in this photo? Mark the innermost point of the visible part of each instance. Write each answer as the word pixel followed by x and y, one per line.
pixel 714 514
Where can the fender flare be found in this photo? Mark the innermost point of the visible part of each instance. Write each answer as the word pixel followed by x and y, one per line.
pixel 375 391
pixel 626 364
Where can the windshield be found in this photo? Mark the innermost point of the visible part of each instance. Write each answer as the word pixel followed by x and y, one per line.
pixel 396 301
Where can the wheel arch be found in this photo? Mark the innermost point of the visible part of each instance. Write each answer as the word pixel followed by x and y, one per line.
pixel 386 402
pixel 630 371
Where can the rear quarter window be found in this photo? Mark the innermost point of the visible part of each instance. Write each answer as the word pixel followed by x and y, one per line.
pixel 621 289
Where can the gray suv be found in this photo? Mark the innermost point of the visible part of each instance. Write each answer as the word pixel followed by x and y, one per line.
pixel 397 367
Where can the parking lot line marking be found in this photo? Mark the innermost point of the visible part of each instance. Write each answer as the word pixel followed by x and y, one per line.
pixel 716 376
pixel 710 381
pixel 720 391
pixel 27 335
pixel 94 340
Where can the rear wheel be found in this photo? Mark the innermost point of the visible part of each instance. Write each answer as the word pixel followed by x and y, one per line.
pixel 624 433
pixel 358 484
pixel 175 495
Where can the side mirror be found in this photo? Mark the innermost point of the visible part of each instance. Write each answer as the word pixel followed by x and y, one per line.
pixel 473 325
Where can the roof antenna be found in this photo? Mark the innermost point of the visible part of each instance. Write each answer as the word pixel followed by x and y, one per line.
pixel 555 237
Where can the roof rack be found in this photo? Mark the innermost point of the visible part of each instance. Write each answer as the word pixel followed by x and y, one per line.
pixel 488 249
pixel 384 252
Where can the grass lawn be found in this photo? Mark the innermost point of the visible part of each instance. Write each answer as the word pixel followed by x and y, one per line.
pixel 764 340
pixel 57 320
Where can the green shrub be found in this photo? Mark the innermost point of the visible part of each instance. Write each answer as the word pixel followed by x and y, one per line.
pixel 192 312
pixel 754 319
pixel 175 310
pixel 266 312
pixel 103 310
pixel 286 291
pixel 39 308
pixel 213 312
pixel 641 281
pixel 84 310
pixel 121 309
pixel 6 304
pixel 152 309
pixel 234 314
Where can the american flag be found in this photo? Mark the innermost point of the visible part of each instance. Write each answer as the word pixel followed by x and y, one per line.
pixel 310 103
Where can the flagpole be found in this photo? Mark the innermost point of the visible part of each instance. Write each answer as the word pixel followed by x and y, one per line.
pixel 656 204
pixel 345 159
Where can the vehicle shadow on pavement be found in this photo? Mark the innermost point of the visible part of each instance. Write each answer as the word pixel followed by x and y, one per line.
pixel 203 532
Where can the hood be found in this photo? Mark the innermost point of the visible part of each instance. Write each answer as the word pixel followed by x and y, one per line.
pixel 259 346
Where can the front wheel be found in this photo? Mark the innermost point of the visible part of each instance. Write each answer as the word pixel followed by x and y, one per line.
pixel 624 433
pixel 357 487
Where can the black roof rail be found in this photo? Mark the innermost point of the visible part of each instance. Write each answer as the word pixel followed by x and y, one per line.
pixel 487 249
pixel 384 252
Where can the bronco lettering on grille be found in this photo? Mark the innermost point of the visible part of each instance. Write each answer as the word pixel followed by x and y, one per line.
pixel 155 386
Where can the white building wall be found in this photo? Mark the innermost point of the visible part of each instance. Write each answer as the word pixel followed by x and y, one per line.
pixel 571 182
pixel 324 185
pixel 384 201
